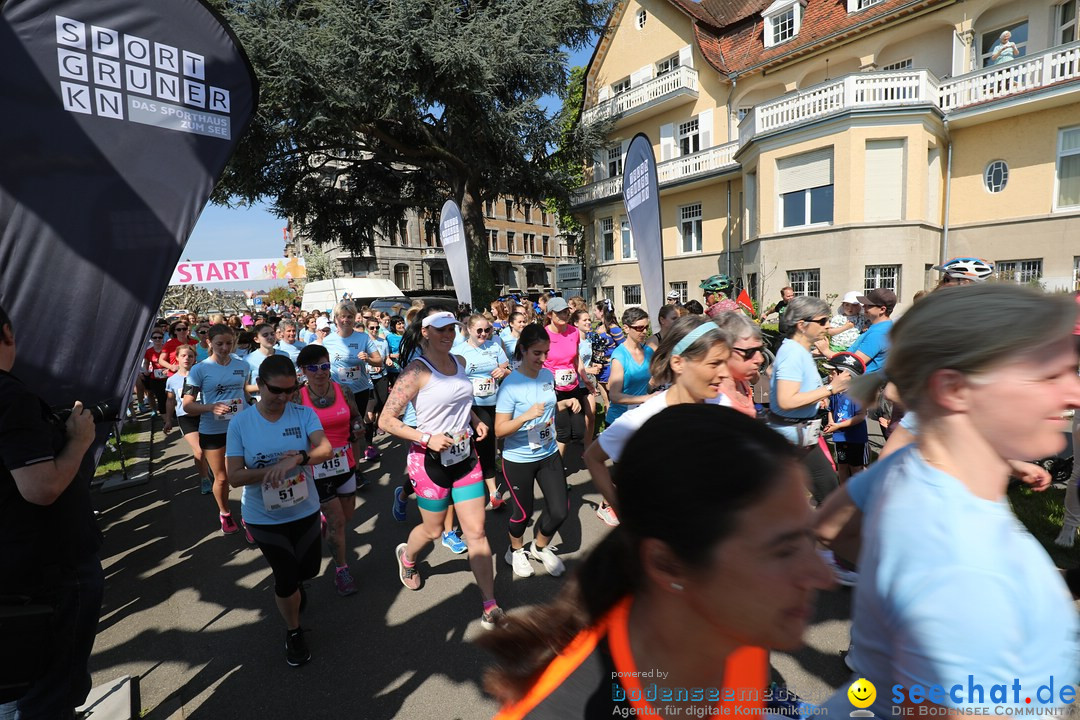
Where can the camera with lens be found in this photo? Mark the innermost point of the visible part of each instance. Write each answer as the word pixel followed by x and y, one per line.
pixel 104 411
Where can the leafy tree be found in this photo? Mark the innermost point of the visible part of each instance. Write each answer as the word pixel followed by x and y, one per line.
pixel 282 295
pixel 570 165
pixel 369 108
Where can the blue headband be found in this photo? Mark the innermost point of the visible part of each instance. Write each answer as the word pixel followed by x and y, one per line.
pixel 691 337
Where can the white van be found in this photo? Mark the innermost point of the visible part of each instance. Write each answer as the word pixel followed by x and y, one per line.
pixel 325 294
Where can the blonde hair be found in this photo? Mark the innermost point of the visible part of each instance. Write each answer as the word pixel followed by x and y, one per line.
pixel 345 307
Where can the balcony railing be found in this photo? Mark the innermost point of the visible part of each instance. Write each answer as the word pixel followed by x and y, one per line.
pixel 682 79
pixel 532 258
pixel 998 81
pixel 434 252
pixel 499 256
pixel 668 172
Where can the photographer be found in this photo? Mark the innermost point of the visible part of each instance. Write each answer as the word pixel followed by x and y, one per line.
pixel 49 567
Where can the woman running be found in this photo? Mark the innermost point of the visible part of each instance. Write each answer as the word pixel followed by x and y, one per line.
pixel 202 347
pixel 189 424
pixel 181 335
pixel 747 356
pixel 564 362
pixel 266 339
pixel 270 447
pixel 511 333
pixel 667 315
pixel 943 557
pixel 351 353
pixel 486 365
pixel 696 588
pixel 796 389
pixel 396 326
pixel 335 479
pixel 525 416
pixel 154 375
pixel 215 393
pixel 442 461
pixel 628 383
pixel 693 360
pixel 380 387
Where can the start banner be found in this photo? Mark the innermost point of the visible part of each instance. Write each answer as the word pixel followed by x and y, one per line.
pixel 216 271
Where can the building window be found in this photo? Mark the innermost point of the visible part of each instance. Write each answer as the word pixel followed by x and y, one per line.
pixel 782 21
pixel 990 45
pixel 1065 22
pixel 438 278
pixel 614 161
pixel 529 241
pixel 690 227
pixel 751 286
pixel 901 65
pixel 679 287
pixel 621 86
pixel 1019 271
pixel 489 208
pixel 631 294
pixel 1076 273
pixel 628 251
pixel 509 209
pixel 607 240
pixel 403 231
pixel 689 139
pixel 882 276
pixel 1068 169
pixel 783 26
pixel 806 189
pixel 667 65
pixel 805 282
pixel 543 217
pixel 996 176
pixel 528 213
pixel 856 5
pixel 401 276
pixel 642 16
pixel 510 242
pixel 493 240
pixel 607 292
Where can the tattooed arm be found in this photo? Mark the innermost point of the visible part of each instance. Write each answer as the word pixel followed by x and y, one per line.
pixel 412 378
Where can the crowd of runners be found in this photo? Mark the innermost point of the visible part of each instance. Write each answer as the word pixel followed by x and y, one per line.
pixel 731 452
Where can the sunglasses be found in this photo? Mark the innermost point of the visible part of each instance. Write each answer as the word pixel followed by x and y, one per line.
pixel 317 368
pixel 482 331
pixel 639 328
pixel 749 352
pixel 180 328
pixel 820 321
pixel 156 337
pixel 373 327
pixel 281 391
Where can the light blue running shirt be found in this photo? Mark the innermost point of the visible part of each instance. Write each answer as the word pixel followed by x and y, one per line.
pixel 535 440
pixel 479 364
pixel 218 383
pixel 345 365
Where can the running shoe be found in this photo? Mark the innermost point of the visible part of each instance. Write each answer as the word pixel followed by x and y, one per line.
pixel 324 527
pixel 452 541
pixel 399 506
pixel 547 556
pixel 493 618
pixel 496 501
pixel 372 453
pixel 206 485
pixel 296 649
pixel 607 513
pixel 409 576
pixel 1067 537
pixel 247 533
pixel 519 560
pixel 228 525
pixel 343 582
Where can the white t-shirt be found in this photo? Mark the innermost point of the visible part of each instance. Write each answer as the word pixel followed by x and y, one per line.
pixel 613 440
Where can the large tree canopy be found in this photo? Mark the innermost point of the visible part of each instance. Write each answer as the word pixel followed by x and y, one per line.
pixel 369 108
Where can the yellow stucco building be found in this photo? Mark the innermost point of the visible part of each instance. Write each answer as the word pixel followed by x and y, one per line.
pixel 840 145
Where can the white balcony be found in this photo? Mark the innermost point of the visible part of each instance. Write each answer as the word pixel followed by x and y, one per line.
pixel 497 256
pixel 650 97
pixel 671 172
pixel 1031 72
pixel 532 259
pixel 433 253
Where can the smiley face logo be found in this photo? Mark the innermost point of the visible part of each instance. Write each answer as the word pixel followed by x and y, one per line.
pixel 862 693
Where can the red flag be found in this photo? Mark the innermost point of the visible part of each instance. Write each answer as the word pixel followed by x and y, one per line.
pixel 745 302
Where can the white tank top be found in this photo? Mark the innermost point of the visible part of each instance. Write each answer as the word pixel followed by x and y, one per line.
pixel 445 403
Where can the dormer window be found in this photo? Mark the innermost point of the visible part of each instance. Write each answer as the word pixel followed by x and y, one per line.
pixel 782 21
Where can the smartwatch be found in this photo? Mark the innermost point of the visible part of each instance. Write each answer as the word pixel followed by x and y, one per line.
pixel 425 439
pixel 829 388
pixel 304 457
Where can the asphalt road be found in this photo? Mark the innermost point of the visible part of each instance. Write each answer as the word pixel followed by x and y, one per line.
pixel 191 611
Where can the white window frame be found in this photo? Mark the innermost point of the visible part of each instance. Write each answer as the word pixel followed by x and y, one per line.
pixel 1057 166
pixel 607 235
pixel 1021 47
pixel 882 276
pixel 620 86
pixel 690 219
pixel 667 65
pixel 776 21
pixel 627 249
pixel 493 240
pixel 805 282
pixel 641 19
pixel 614 161
pixel 689 139
pixel 857 5
pixel 1060 27
pixel 1023 271
pixel 608 292
pixel 680 287
pixel 995 169
pixel 905 64
pixel 631 295
pixel 805 191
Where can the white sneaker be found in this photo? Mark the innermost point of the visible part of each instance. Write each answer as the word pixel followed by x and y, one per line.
pixel 1067 536
pixel 546 555
pixel 518 560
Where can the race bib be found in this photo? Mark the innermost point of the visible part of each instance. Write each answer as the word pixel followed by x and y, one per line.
pixel 235 405
pixel 458 450
pixel 565 377
pixel 159 373
pixel 349 374
pixel 337 465
pixel 809 432
pixel 541 435
pixel 483 387
pixel 293 492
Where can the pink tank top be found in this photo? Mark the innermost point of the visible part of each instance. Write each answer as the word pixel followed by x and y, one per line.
pixel 562 357
pixel 334 419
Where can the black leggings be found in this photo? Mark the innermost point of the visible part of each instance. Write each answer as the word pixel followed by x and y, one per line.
pixel 157 387
pixel 292 549
pixel 380 391
pixel 485 448
pixel 571 425
pixel 823 479
pixel 548 473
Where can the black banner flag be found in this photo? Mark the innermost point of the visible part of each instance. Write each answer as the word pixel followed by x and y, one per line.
pixel 118 117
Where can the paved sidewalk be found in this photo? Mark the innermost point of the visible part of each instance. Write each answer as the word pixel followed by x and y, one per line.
pixel 191 611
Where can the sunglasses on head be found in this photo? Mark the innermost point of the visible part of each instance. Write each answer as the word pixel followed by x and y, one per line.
pixel 749 352
pixel 317 368
pixel 281 391
pixel 820 321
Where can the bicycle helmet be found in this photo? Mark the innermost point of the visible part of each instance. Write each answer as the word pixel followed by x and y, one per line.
pixel 716 283
pixel 973 269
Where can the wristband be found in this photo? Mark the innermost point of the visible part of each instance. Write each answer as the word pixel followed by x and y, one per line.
pixel 304 457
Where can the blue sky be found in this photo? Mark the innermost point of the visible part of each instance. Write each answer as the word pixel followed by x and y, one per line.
pixel 237 233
